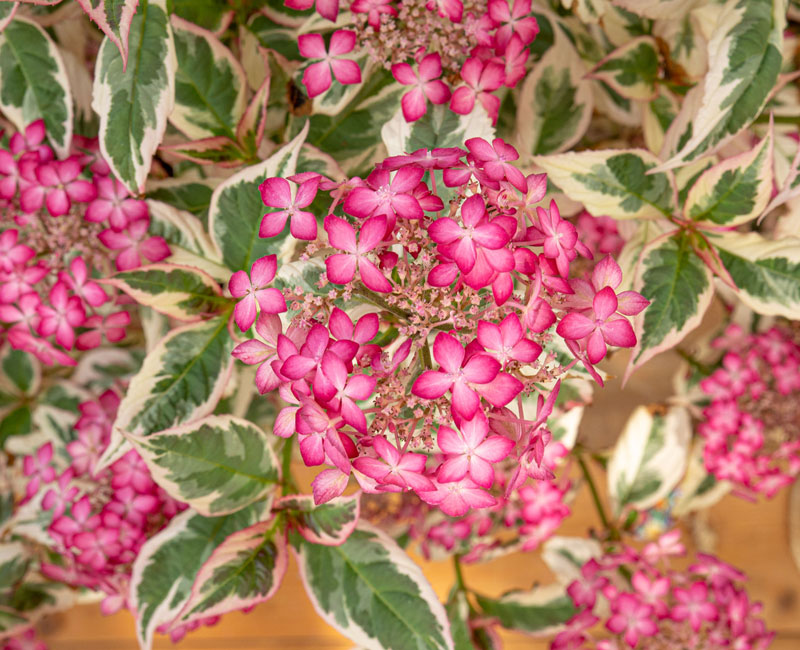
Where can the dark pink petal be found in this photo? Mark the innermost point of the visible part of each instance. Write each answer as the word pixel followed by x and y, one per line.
pixel 371 234
pixel 575 326
pixel 245 312
pixel 271 301
pixel 618 332
pixel 341 234
pixel 453 469
pixel 604 303
pixel 340 268
pixel 303 226
pixel 263 270
pixel 276 193
pixel 81 191
pixel 373 278
pixel 57 202
pixel 501 390
pixel 481 369
pixel 272 224
pixel 431 384
pixel 631 303
pixel 448 352
pixel 239 284
pixel 413 104
pixel 596 347
pixel 404 74
pixel 465 400
pixel 155 249
pixel 450 442
pixel 463 100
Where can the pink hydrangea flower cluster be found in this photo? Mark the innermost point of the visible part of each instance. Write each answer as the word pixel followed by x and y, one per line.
pixel 62 225
pixel 643 602
pixel 423 391
pixel 100 519
pixel 26 640
pixel 752 423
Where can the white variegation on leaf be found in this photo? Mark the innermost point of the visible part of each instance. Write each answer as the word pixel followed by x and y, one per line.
pixel 372 592
pixel 733 191
pixel 679 287
pixel 539 611
pixel 657 117
pixel 631 70
pixel 210 84
pixel 744 60
pixel 766 272
pixel 698 489
pixel 34 83
pixel 686 42
pixel 649 458
pixel 236 209
pixel 619 183
pixel 787 176
pixel 134 102
pixel 218 464
pixel 328 523
pixel 555 102
pixel 566 555
pixel 656 9
pixel 114 18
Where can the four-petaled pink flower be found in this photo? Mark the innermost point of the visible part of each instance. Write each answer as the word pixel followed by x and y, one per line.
pixel 12 253
pixel 276 193
pixel 253 291
pixel 55 184
pixel 79 282
pixel 506 342
pixel 395 469
pixel 558 238
pixel 317 76
pixel 133 244
pixel 470 452
pixel 455 499
pixel 426 85
pixel 255 352
pixel 114 204
pixel 693 605
pixel 64 313
pixel 384 195
pixel 631 618
pixel 513 21
pixel 111 327
pixel 341 267
pixel 496 161
pixel 480 79
pixel 341 392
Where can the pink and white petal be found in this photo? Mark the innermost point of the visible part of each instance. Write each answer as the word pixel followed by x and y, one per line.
pixel 312 46
pixel 328 9
pixel 448 352
pixel 263 270
pixel 360 387
pixel 155 249
pixel 453 469
pixel 481 472
pixel 239 284
pixel 575 326
pixel 271 301
pixel 311 450
pixel 437 92
pixel 340 268
pixel 489 335
pixel 341 234
pixel 430 67
pixel 631 303
pixel 346 71
pixel 372 233
pixel 490 236
pixel 596 347
pixel 450 442
pixel 334 369
pixel 266 379
pixel 307 192
pixel 317 78
pixel 329 483
pixel 465 401
pixel 366 328
pixel 495 448
pixel 526 351
pixel 501 390
pixel 407 206
pixel 342 42
pixel 481 369
pixel 418 482
pixel 462 100
pixel 413 104
pixel 354 416
pixel 245 313
pixel 373 278
pixel 252 352
pixel 464 254
pixel 606 273
pixel 303 226
pixel 404 74
pixel 431 384
pixel 276 193
pixel 618 332
pixel 57 202
pixel 272 224
pixel 81 191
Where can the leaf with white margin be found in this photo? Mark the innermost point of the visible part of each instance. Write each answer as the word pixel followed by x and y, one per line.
pixel 327 523
pixel 679 287
pixel 438 128
pixel 210 86
pixel 34 83
pixel 733 191
pixel 656 9
pixel 181 380
pixel 168 563
pixel 539 611
pixel 744 60
pixel 236 209
pixel 218 465
pixel 565 556
pixel 555 103
pixel 244 570
pixel 372 592
pixel 649 458
pixel 698 490
pixel 766 272
pixel 20 372
pixel 182 292
pixel 114 18
pixel 686 44
pixel 133 103
pixel 614 182
pixel 631 70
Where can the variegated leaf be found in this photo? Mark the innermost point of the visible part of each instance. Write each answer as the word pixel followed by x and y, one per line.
pixel 328 523
pixel 133 103
pixel 181 380
pixel 244 570
pixel 744 60
pixel 679 287
pixel 631 70
pixel 555 102
pixel 734 191
pixel 657 118
pixel 21 373
pixel 210 14
pixel 656 8
pixel 649 458
pixel 236 209
pixel 181 292
pixel 34 83
pixel 190 195
pixel 372 592
pixel 687 46
pixel 114 18
pixel 167 565
pixel 565 556
pixel 766 272
pixel 617 183
pixel 539 611
pixel 218 465
pixel 210 86
pixel 698 490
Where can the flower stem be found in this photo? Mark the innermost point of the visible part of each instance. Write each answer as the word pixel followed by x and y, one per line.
pixel 288 485
pixel 598 504
pixel 460 584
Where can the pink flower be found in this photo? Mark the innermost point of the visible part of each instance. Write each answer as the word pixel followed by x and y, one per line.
pixel 387 196
pixel 341 393
pixel 24 313
pixel 606 273
pixel 42 349
pixel 455 499
pixel 452 9
pixel 516 21
pixel 632 617
pixel 317 76
pixel 654 592
pixel 439 158
pixel 113 204
pixel 253 291
pixel 373 9
pixel 62 315
pixel 496 160
pixel 55 184
pixel 19 281
pixel 584 591
pixel 481 79
pixel 111 327
pixel 599 329
pixel 9 175
pixel 470 453
pixel 38 469
pixel 276 193
pixel 693 605
pixel 78 281
pixel 513 60
pixel 11 253
pixel 326 8
pixel 298 364
pixel 255 352
pixel 506 342
pixel 404 471
pixel 133 245
pixel 426 85
pixel 341 267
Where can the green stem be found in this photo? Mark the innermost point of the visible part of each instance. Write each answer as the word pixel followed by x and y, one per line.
pixel 598 504
pixel 288 485
pixel 460 584
pixel 694 363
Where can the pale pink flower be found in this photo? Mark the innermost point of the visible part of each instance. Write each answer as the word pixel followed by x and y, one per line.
pixel 457 498
pixel 80 283
pixel 513 21
pixel 470 453
pixel 496 159
pixel 384 195
pixel 56 185
pixel 110 327
pixel 61 316
pixel 631 618
pixel 506 342
pixel 133 245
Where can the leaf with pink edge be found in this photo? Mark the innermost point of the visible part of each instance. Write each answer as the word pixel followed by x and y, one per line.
pixel 114 18
pixel 328 523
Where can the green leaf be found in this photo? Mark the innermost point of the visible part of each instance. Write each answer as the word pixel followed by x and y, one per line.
pixel 539 611
pixel 372 592
pixel 181 292
pixel 246 569
pixel 7 12
pixel 114 18
pixel 168 563
pixel 617 183
pixel 17 422
pixel 210 86
pixel 34 83
pixel 328 523
pixel 22 373
pixel 236 209
pixel 555 102
pixel 457 608
pixel 654 9
pixel 679 287
pixel 631 70
pixel 218 465
pixel 438 128
pixel 181 380
pixel 744 60
pixel 190 196
pixel 766 272
pixel 133 103
pixel 734 191
pixel 649 458
pixel 208 14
